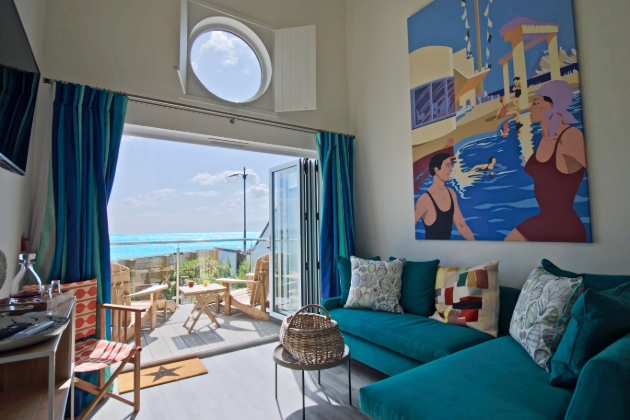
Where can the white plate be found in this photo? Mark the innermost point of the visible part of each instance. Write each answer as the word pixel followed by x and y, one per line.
pixel 11 344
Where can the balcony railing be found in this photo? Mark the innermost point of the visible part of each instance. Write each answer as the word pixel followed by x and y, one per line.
pixel 175 267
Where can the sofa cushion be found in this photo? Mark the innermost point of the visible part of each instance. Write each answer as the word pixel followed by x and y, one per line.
pixel 418 287
pixel 599 282
pixel 375 285
pixel 602 390
pixel 414 336
pixel 344 268
pixel 494 380
pixel 543 312
pixel 598 320
pixel 468 296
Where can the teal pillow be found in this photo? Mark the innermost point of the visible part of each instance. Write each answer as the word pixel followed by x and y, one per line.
pixel 598 319
pixel 597 282
pixel 418 287
pixel 344 268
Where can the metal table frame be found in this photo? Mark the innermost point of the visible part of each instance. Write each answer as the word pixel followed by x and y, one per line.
pixel 283 358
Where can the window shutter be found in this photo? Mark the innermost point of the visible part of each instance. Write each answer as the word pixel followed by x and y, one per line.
pixel 295 69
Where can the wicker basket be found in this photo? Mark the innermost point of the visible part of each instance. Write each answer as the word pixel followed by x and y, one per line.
pixel 312 338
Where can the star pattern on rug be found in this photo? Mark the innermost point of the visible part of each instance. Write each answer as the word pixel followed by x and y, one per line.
pixel 163 372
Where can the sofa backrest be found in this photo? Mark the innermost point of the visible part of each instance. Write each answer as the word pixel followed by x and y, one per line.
pixel 508 297
pixel 604 385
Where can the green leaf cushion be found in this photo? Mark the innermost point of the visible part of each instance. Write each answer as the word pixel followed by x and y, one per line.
pixel 543 312
pixel 599 282
pixel 598 319
pixel 344 268
pixel 418 287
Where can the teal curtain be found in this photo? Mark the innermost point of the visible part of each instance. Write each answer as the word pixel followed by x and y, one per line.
pixel 18 92
pixel 86 134
pixel 336 155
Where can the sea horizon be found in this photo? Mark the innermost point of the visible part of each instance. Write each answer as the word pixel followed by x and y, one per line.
pixel 119 252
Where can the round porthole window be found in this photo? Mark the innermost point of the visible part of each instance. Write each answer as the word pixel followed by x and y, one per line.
pixel 229 60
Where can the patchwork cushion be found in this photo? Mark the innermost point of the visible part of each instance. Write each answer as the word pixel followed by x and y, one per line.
pixel 375 285
pixel 344 269
pixel 85 310
pixel 598 319
pixel 469 297
pixel 93 354
pixel 542 313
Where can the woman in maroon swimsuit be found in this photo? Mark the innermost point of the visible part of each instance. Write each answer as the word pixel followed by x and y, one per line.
pixel 557 167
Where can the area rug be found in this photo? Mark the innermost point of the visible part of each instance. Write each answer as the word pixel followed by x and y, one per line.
pixel 158 375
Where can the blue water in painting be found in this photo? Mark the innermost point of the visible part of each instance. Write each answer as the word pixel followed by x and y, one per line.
pixel 493 205
pixel 135 251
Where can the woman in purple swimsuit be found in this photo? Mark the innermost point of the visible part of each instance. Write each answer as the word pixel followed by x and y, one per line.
pixel 557 167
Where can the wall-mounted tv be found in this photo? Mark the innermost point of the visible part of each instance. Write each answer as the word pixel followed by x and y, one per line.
pixel 19 81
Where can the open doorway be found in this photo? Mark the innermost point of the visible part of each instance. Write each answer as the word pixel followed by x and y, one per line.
pixel 182 216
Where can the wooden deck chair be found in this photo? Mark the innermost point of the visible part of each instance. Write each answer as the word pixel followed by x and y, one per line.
pixel 121 295
pixel 252 301
pixel 96 354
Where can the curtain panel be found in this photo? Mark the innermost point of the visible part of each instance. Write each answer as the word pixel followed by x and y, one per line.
pixel 18 92
pixel 336 155
pixel 87 126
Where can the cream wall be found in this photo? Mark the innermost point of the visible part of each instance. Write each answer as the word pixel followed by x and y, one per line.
pixel 14 189
pixel 132 46
pixel 378 81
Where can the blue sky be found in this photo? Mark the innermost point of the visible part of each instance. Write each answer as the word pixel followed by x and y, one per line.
pixel 440 23
pixel 163 186
pixel 226 65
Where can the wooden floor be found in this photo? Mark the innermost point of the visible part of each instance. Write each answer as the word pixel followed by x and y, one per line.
pixel 171 339
pixel 240 386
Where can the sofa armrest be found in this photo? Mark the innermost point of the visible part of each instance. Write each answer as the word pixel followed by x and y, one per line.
pixel 604 384
pixel 331 303
pixel 508 297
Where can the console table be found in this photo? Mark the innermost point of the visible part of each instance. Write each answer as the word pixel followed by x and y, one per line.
pixel 36 381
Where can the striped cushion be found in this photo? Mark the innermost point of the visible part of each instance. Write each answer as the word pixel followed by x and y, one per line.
pixel 85 292
pixel 93 354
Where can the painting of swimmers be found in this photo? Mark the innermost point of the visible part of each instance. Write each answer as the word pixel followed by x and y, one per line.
pixel 497 131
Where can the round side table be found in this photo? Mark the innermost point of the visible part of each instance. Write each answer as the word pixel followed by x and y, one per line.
pixel 283 358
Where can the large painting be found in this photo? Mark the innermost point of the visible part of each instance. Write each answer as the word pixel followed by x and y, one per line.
pixel 496 122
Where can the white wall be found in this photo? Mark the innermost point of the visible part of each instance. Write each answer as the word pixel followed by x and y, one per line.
pixel 132 46
pixel 378 80
pixel 15 194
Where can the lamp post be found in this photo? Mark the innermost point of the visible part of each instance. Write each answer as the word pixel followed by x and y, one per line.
pixel 244 175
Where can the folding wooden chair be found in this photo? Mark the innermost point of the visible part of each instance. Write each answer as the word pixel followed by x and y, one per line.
pixel 93 354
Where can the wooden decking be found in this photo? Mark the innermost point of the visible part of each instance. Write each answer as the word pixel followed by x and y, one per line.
pixel 171 339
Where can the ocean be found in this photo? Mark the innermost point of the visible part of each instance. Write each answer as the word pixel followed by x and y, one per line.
pixel 119 252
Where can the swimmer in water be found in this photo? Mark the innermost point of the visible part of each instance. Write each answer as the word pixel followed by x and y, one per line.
pixel 486 166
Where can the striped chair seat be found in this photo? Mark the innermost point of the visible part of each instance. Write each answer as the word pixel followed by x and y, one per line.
pixel 93 354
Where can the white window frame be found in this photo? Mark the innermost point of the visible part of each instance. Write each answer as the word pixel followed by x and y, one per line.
pixel 222 23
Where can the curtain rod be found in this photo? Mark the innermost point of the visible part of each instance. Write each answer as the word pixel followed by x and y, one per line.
pixel 199 110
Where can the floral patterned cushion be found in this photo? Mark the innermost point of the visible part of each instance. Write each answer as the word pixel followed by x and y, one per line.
pixel 469 297
pixel 542 313
pixel 375 285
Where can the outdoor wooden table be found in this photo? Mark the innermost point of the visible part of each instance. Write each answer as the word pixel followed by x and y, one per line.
pixel 202 295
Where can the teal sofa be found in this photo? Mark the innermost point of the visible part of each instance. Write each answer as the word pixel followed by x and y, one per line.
pixel 440 371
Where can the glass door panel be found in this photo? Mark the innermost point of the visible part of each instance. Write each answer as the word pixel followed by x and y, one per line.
pixel 286 238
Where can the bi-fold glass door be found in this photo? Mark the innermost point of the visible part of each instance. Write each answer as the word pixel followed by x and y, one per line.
pixel 294 262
